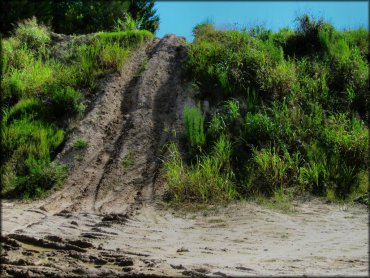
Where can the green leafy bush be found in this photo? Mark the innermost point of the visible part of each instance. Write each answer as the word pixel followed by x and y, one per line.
pixel 65 101
pixel 40 176
pixel 32 34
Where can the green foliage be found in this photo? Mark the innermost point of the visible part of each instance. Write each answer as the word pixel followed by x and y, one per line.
pixel 32 34
pixel 210 180
pixel 41 175
pixel 25 107
pixel 65 101
pixel 271 170
pixel 144 11
pixel 217 125
pixel 234 61
pixel 293 104
pixel 113 56
pixel 79 16
pixel 194 125
pixel 128 24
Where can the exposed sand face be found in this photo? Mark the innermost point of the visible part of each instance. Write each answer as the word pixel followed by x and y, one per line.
pixel 106 220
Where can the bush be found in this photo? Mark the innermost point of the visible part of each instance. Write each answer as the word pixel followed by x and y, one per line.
pixel 65 101
pixel 41 175
pixel 259 128
pixel 127 24
pixel 32 34
pixel 26 107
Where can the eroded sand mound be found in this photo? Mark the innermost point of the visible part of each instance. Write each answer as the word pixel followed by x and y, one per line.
pixel 105 221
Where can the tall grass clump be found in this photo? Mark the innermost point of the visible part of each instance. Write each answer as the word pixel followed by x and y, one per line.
pixel 209 180
pixel 194 125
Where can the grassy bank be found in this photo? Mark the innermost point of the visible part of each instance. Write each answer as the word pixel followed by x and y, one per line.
pixel 287 114
pixel 41 91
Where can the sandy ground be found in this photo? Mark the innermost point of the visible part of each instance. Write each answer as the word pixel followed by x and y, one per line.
pixel 235 240
pixel 108 220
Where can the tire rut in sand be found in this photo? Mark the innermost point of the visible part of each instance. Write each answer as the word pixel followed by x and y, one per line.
pixel 152 108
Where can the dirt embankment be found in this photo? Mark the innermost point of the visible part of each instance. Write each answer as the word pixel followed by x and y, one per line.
pixel 105 221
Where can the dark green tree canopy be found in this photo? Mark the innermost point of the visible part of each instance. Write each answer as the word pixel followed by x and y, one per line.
pixel 77 16
pixel 144 10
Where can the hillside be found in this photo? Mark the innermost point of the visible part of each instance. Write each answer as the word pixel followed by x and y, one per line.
pixel 238 154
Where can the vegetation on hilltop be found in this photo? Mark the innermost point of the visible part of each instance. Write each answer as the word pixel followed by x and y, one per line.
pixel 288 114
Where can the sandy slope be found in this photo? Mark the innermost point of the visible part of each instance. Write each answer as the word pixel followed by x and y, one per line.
pixel 106 220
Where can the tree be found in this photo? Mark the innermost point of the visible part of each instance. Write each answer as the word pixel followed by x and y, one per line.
pixel 77 16
pixel 144 10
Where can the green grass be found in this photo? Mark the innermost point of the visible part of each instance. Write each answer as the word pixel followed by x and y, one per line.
pixel 80 144
pixel 132 38
pixel 209 181
pixel 194 125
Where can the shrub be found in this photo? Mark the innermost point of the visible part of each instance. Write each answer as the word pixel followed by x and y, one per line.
pixel 217 125
pixel 65 101
pixel 348 138
pixel 41 176
pixel 34 137
pixel 32 34
pixel 259 128
pixel 270 168
pixel 194 125
pixel 232 107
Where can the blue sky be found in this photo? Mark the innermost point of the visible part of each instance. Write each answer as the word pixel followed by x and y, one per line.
pixel 179 17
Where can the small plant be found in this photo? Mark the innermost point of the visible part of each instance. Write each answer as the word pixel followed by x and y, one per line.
pixel 232 107
pixel 217 125
pixel 128 161
pixel 80 143
pixel 127 24
pixel 194 124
